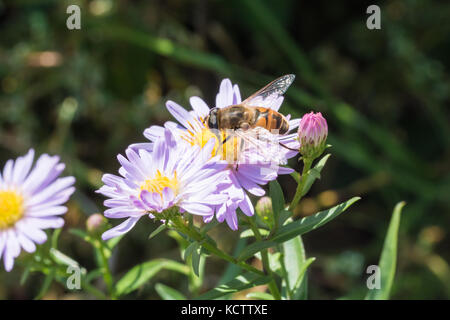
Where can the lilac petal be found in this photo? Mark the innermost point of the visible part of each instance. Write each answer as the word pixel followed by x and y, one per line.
pixel 199 106
pixel 196 208
pixel 225 96
pixel 232 221
pixel 236 94
pixel 247 206
pixel 122 228
pixel 46 222
pixel 179 113
pixel 45 212
pixel 26 243
pixel 7 171
pixel 154 132
pixel 22 167
pixel 32 231
pixel 54 188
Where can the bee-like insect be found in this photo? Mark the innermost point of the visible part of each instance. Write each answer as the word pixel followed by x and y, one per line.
pixel 254 120
pixel 255 111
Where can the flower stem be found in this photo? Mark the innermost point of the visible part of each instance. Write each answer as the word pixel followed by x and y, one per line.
pixel 266 264
pixel 301 184
pixel 106 271
pixel 192 233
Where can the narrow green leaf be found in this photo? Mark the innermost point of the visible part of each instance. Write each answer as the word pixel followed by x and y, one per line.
pixel 299 288
pixel 255 247
pixel 297 228
pixel 276 194
pixel 293 258
pixel 142 273
pixel 388 259
pixel 24 276
pixel 315 221
pixel 260 296
pixel 168 293
pixel 46 285
pixel 249 233
pixel 157 230
pixel 241 282
pixel 233 270
pixel 62 259
pixel 195 260
pixel 283 216
pixel 114 242
pixel 189 250
pixel 314 173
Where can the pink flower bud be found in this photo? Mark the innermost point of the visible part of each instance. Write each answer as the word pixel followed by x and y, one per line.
pixel 96 223
pixel 312 134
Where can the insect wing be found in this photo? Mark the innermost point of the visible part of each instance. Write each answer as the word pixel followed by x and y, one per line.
pixel 259 145
pixel 270 96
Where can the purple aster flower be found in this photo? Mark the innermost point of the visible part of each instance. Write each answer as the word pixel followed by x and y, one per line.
pixel 174 174
pixel 31 200
pixel 246 173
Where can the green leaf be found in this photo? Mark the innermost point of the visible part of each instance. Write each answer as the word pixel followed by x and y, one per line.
pixel 241 282
pixel 233 270
pixel 46 285
pixel 189 250
pixel 62 259
pixel 157 230
pixel 255 247
pixel 249 233
pixel 168 293
pixel 297 228
pixel 114 241
pixel 294 260
pixel 388 259
pixel 276 193
pixel 195 259
pixel 283 216
pixel 144 272
pixel 300 287
pixel 260 296
pixel 315 221
pixel 314 173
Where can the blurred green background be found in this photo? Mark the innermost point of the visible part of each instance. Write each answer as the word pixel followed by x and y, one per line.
pixel 87 94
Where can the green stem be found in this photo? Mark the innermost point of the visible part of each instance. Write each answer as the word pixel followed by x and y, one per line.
pixel 301 184
pixel 106 271
pixel 192 233
pixel 266 264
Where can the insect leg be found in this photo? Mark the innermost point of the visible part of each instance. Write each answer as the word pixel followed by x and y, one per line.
pixel 284 146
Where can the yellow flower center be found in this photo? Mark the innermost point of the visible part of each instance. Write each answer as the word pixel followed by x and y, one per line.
pixel 227 151
pixel 11 208
pixel 159 182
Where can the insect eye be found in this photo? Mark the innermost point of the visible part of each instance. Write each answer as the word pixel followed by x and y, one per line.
pixel 212 119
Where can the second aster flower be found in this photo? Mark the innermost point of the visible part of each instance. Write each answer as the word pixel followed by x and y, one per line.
pixel 172 175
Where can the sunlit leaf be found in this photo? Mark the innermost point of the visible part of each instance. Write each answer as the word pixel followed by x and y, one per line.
pixel 144 272
pixel 297 228
pixel 260 296
pixel 241 282
pixel 388 259
pixel 168 293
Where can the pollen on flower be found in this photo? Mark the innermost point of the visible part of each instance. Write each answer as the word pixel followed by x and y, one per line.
pixel 159 182
pixel 11 208
pixel 228 151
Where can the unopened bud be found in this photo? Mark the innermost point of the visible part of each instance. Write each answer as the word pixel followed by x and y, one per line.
pixel 312 135
pixel 96 223
pixel 264 210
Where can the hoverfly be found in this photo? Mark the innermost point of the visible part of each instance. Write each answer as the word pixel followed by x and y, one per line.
pixel 254 117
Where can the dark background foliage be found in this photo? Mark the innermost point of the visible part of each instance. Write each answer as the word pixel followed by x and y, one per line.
pixel 87 94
